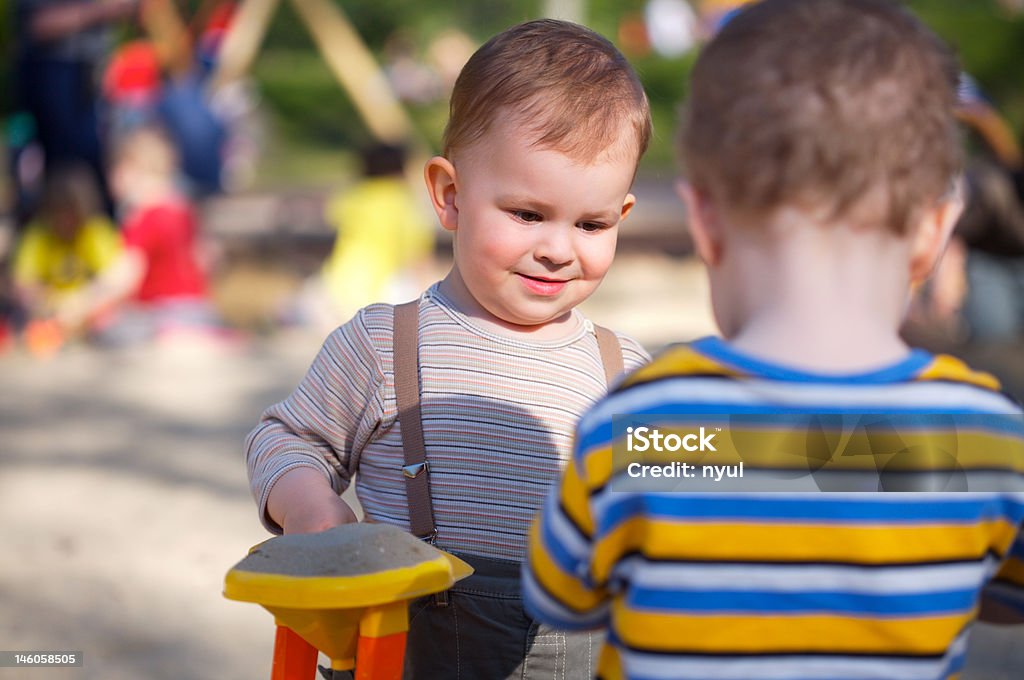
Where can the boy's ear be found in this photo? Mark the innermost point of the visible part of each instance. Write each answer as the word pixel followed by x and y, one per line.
pixel 627 206
pixel 932 236
pixel 702 220
pixel 439 174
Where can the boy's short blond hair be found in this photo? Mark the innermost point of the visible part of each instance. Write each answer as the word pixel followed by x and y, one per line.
pixel 569 88
pixel 842 106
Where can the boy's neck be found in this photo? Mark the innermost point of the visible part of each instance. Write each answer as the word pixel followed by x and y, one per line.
pixel 771 338
pixel 826 298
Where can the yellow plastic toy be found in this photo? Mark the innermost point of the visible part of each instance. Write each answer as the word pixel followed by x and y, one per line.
pixel 344 592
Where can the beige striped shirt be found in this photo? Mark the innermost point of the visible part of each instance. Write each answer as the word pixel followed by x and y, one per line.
pixel 498 420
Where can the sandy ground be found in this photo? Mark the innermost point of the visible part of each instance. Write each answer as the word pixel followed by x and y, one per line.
pixel 124 498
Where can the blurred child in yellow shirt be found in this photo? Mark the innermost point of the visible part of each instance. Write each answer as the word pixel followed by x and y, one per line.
pixel 62 255
pixel 384 237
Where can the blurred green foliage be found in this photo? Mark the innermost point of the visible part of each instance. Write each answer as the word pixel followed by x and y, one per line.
pixel 308 108
pixel 313 110
pixel 311 114
pixel 991 47
pixel 376 20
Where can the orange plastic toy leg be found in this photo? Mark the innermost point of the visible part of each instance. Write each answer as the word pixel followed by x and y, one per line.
pixel 380 658
pixel 294 658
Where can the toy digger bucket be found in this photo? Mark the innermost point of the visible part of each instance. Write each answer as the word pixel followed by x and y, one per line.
pixel 344 592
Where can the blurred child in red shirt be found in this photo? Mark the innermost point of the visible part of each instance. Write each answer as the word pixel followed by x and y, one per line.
pixel 165 281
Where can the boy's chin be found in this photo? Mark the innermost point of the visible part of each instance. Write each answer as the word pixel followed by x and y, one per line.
pixel 531 320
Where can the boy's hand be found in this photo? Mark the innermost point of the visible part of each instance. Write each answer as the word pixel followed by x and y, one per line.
pixel 303 502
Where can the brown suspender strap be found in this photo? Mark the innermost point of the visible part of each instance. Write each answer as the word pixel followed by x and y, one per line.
pixel 407 393
pixel 611 354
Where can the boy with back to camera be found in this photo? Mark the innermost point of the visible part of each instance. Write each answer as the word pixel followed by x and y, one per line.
pixel 819 144
pixel 493 365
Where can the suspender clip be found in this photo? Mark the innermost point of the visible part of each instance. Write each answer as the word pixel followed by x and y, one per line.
pixel 441 598
pixel 413 470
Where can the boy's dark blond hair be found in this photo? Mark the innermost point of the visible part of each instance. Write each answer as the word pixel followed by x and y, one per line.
pixel 569 88
pixel 71 187
pixel 842 106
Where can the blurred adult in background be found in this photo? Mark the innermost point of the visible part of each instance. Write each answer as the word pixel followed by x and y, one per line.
pixel 132 85
pixel 978 290
pixel 61 45
pixel 992 228
pixel 161 80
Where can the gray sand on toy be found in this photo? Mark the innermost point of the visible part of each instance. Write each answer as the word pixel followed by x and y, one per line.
pixel 348 550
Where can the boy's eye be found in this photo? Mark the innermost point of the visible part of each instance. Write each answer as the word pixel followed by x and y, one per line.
pixel 591 227
pixel 526 216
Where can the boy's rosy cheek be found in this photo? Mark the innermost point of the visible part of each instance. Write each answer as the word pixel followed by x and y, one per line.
pixel 489 252
pixel 500 247
pixel 602 256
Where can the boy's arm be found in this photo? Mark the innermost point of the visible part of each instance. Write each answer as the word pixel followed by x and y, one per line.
pixel 557 588
pixel 302 454
pixel 304 502
pixel 112 286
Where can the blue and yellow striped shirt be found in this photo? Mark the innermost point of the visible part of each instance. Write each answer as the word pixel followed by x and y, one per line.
pixel 734 585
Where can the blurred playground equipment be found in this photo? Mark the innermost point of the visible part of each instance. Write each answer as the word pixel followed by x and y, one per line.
pixel 344 52
pixel 344 592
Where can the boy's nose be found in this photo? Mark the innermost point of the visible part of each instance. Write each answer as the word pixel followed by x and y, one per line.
pixel 554 245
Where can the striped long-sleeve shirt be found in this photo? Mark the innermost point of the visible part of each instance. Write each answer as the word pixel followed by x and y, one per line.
pixel 498 417
pixel 786 586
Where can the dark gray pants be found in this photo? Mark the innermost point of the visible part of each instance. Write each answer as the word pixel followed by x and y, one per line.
pixel 484 634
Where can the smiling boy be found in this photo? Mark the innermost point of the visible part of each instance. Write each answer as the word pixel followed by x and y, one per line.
pixel 547 125
pixel 534 228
